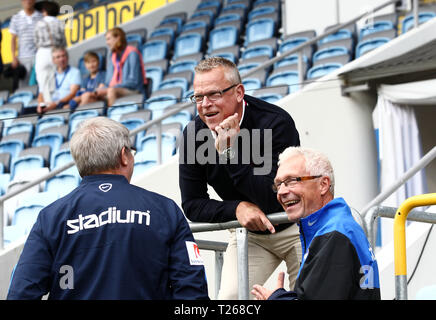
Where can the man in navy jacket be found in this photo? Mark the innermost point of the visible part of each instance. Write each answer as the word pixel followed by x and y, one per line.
pixel 338 261
pixel 109 239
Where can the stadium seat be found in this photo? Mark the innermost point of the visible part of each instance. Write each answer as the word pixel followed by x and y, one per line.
pixel 159 102
pixel 5 178
pixel 322 70
pixel 222 37
pixel 260 29
pixel 261 11
pixel 169 146
pixel 43 151
pixel 329 52
pixel 4 95
pixel 156 74
pixel 340 34
pixel 52 139
pixel 25 164
pixel 154 50
pixel 187 44
pixel 179 82
pixel 229 19
pixel 251 84
pixel 408 22
pixel 78 116
pixel 47 121
pixel 62 184
pixel 25 216
pixel 20 125
pixel 261 50
pixel 5 161
pixel 183 117
pixel 369 45
pixel 288 77
pixel 13 147
pixel 24 97
pixel 375 27
pixel 61 158
pixel 124 105
pixel 183 65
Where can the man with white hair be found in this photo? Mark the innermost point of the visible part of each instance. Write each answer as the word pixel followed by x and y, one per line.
pixel 109 239
pixel 338 262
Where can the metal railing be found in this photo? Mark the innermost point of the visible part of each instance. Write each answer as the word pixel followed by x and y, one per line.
pixel 242 249
pixel 158 121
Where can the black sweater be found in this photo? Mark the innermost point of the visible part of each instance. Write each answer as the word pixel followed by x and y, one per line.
pixel 234 182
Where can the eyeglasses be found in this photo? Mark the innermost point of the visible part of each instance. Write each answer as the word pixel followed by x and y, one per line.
pixel 132 150
pixel 290 182
pixel 213 96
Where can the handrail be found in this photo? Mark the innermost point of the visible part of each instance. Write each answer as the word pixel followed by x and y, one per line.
pixel 423 162
pixel 400 240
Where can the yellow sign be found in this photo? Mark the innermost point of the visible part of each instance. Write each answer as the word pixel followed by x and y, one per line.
pixel 85 25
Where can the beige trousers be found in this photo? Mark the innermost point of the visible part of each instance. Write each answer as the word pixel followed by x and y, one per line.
pixel 265 253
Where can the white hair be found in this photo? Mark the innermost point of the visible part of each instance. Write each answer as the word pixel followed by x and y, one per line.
pixel 96 145
pixel 316 162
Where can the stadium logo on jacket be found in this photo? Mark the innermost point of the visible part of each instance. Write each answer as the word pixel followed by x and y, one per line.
pixel 111 215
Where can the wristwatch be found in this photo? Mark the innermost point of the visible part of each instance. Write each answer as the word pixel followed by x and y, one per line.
pixel 228 153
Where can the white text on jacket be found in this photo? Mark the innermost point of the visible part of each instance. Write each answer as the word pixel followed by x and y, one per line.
pixel 111 215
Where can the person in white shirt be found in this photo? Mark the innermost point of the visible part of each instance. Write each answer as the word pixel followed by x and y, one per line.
pixel 21 28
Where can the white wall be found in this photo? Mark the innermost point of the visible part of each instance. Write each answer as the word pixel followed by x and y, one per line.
pixel 318 14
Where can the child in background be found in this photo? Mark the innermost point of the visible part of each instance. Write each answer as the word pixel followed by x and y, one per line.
pixel 91 83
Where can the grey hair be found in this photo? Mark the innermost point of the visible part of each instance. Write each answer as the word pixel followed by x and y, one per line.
pixel 96 145
pixel 211 63
pixel 316 162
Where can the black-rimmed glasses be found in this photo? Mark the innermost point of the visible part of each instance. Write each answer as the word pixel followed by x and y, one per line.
pixel 292 181
pixel 212 96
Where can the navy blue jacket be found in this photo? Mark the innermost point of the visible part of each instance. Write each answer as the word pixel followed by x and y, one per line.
pixel 109 239
pixel 338 261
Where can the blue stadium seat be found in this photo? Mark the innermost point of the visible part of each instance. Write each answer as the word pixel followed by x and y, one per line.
pixel 165 34
pixel 230 17
pixel 13 147
pixel 208 4
pixel 173 20
pixel 222 37
pixel 182 65
pixel 260 11
pixel 375 27
pixel 329 52
pixel 158 103
pixel 156 74
pixel 256 51
pixel 322 70
pixel 19 126
pixel 169 146
pixel 24 97
pixel 25 217
pixel 288 77
pixel 340 34
pixel 62 184
pixel 52 139
pixel 192 25
pixel 154 50
pixel 369 45
pixel 251 84
pixel 408 21
pixel 183 117
pixel 77 117
pixel 187 44
pixel 260 29
pixel 61 158
pixel 175 82
pixel 7 115
pixel 5 178
pixel 49 120
pixel 22 165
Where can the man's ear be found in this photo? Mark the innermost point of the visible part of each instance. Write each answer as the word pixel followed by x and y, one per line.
pixel 240 92
pixel 124 156
pixel 325 185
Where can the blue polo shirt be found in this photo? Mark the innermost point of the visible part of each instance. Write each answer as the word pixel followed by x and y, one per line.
pixel 64 81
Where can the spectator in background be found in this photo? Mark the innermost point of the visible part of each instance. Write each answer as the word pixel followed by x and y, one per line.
pixel 125 73
pixel 21 28
pixel 67 83
pixel 90 83
pixel 49 33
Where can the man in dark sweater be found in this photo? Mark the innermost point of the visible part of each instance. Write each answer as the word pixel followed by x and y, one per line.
pixel 233 146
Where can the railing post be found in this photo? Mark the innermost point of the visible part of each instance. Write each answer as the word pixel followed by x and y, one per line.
pixel 415 13
pixel 159 142
pixel 218 271
pixel 2 235
pixel 400 240
pixel 242 245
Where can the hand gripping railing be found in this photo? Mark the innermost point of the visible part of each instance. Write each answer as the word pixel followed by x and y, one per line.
pixel 400 240
pixel 242 245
